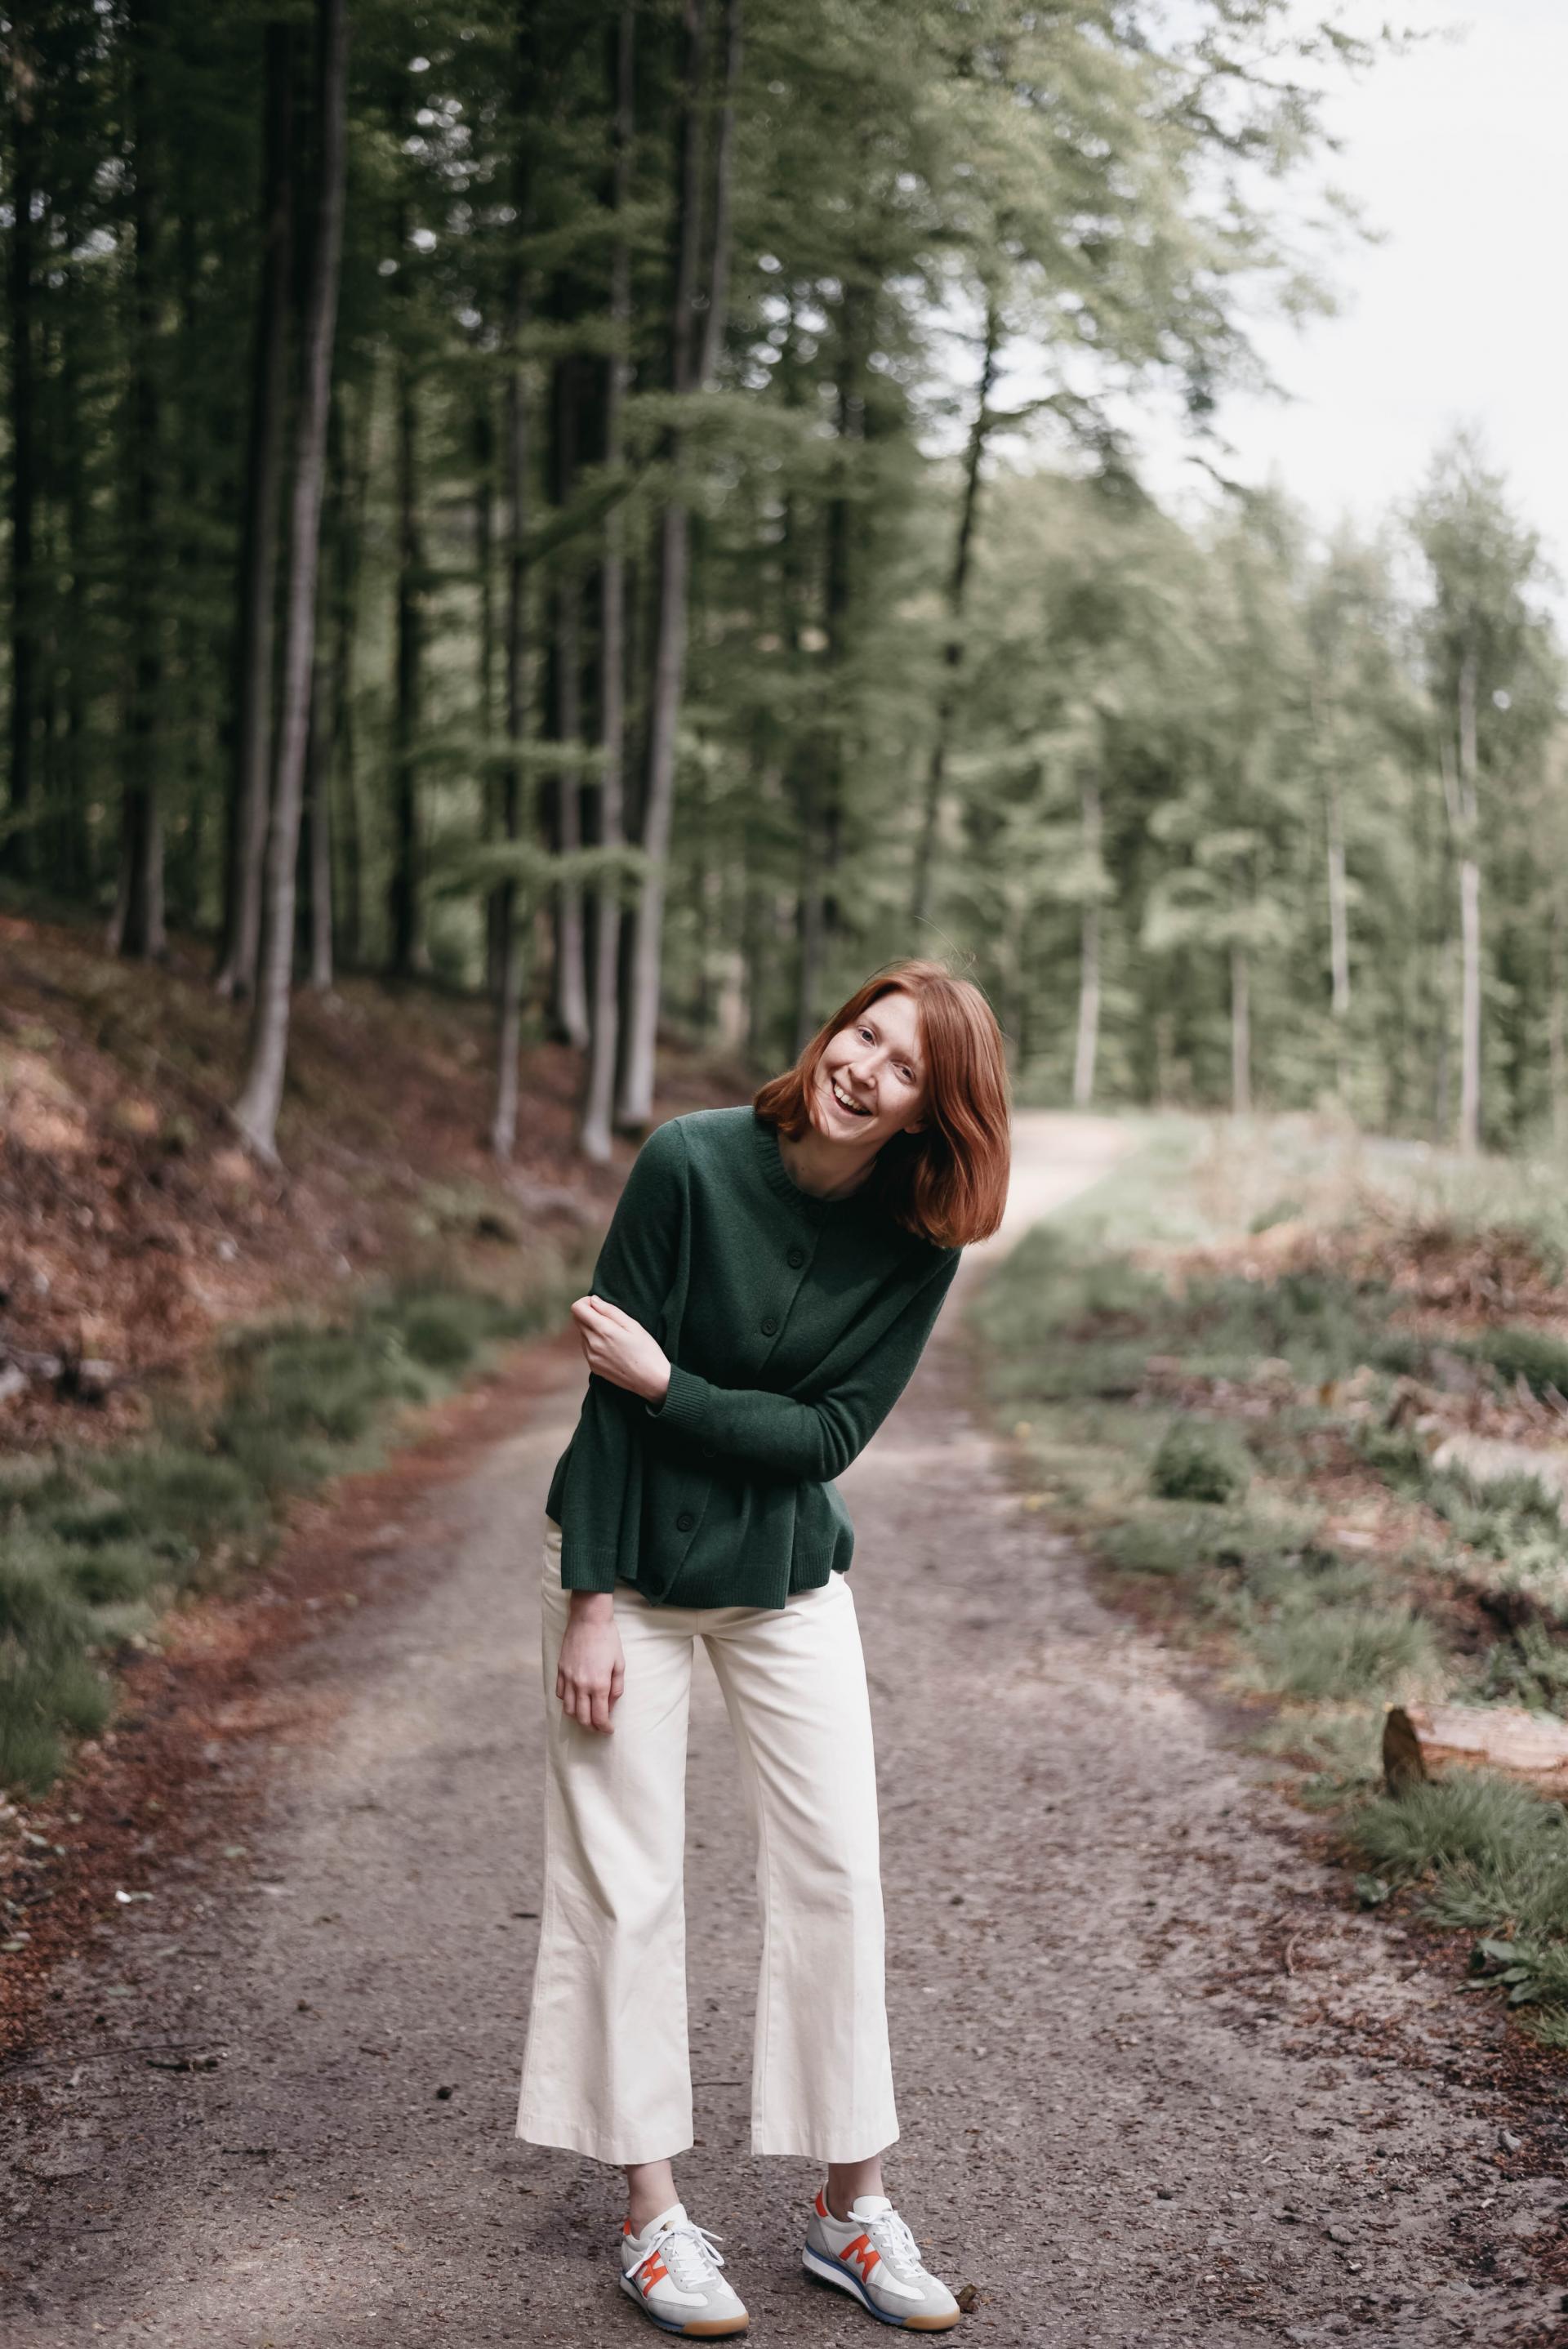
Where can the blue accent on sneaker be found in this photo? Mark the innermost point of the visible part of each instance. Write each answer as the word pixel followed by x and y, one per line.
pixel 835 2272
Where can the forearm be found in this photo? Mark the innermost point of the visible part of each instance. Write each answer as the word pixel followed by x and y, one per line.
pixel 770 1432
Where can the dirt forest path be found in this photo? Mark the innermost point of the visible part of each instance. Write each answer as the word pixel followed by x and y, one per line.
pixel 1157 2084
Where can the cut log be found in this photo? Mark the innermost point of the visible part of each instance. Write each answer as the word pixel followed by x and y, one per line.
pixel 1422 1742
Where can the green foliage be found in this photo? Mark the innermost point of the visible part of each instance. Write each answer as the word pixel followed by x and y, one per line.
pixel 1494 1857
pixel 1535 1356
pixel 1316 1649
pixel 1529 1668
pixel 1200 1460
pixel 92 1544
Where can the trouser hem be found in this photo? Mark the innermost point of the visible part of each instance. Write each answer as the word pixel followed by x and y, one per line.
pixel 809 2145
pixel 615 2151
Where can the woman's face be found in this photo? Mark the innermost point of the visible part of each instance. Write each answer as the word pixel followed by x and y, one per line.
pixel 871 1080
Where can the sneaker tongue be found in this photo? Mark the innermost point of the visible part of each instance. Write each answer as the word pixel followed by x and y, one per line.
pixel 870 2206
pixel 673 2216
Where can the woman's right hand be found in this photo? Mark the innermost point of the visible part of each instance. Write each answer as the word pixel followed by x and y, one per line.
pixel 592 1670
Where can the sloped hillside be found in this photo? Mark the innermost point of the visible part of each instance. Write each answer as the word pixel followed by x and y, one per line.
pixel 134 1227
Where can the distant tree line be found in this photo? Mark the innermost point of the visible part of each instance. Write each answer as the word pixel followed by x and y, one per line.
pixel 541 497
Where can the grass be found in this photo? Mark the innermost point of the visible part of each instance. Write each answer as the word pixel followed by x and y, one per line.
pixel 1493 1859
pixel 95 1546
pixel 1179 1415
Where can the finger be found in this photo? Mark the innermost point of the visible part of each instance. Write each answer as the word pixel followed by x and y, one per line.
pixel 601 1712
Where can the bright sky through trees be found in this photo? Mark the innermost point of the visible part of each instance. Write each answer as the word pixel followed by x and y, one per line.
pixel 1456 154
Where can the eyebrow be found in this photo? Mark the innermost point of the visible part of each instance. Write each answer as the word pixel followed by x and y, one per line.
pixel 910 1060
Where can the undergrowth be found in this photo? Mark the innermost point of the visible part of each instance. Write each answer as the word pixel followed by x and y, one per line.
pixel 1182 1422
pixel 95 1546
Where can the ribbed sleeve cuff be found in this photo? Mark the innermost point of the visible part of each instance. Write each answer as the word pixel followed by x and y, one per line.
pixel 588 1569
pixel 685 1402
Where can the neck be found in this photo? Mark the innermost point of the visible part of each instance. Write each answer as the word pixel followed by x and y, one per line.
pixel 829 1170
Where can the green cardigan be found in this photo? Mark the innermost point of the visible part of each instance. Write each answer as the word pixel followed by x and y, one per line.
pixel 792 1325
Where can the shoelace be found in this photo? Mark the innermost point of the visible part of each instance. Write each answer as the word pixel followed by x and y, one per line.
pixel 688 2252
pixel 893 2239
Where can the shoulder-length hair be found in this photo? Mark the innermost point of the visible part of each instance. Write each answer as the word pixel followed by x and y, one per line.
pixel 948 1182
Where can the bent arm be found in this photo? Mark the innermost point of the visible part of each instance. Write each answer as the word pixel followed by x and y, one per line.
pixel 634 1269
pixel 803 1441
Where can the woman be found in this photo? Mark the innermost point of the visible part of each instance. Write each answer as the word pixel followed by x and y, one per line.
pixel 765 1290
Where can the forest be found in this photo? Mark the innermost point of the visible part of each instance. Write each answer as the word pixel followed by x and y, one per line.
pixel 628 508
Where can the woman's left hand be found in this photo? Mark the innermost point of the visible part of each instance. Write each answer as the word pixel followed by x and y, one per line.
pixel 621 1350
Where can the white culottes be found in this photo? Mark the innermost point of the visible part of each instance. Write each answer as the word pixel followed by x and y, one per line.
pixel 607 2070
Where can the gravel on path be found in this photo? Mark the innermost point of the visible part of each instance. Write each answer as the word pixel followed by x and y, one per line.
pixel 1127 2118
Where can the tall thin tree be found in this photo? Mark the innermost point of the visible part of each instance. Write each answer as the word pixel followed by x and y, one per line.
pixel 16 843
pixel 257 1111
pixel 697 328
pixel 603 977
pixel 138 923
pixel 251 771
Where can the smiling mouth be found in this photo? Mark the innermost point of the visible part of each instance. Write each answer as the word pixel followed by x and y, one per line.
pixel 844 1101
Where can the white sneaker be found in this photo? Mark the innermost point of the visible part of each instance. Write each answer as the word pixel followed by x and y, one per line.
pixel 671 2270
pixel 873 2256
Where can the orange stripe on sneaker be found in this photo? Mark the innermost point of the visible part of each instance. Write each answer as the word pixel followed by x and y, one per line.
pixel 865 2253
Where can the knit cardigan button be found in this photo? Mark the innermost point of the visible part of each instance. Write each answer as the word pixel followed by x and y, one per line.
pixel 796 1258
pixel 769 1326
pixel 685 1522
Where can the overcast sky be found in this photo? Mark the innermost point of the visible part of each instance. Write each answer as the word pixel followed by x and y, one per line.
pixel 1458 155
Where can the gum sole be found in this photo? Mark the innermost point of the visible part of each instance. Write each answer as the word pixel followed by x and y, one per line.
pixel 722 2327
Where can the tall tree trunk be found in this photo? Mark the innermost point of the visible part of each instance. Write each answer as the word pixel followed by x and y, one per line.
pixel 1087 1045
pixel 403 888
pixel 75 863
pixel 570 991
pixel 249 787
pixel 484 658
pixel 138 926
pixel 349 453
pixel 1470 1004
pixel 694 350
pixel 821 773
pixel 188 760
pixel 509 1019
pixel 17 847
pixel 957 586
pixel 604 984
pixel 1469 910
pixel 1338 929
pixel 1557 1025
pixel 257 1111
pixel 318 804
pixel 1241 1031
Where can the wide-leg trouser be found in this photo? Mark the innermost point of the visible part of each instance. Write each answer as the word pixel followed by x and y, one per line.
pixel 607 2070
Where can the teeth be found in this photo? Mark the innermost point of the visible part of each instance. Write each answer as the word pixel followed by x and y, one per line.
pixel 843 1099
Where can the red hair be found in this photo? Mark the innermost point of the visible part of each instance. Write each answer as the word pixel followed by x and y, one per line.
pixel 949 1182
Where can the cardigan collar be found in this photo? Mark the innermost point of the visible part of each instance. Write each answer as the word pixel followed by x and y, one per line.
pixel 782 1184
